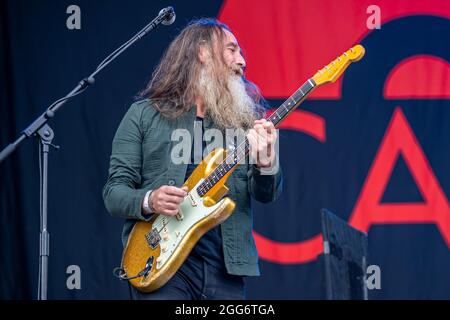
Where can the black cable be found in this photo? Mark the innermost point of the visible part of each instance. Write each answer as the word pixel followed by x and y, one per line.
pixel 120 273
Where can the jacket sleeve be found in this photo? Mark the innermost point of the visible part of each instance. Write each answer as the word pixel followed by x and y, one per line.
pixel 121 196
pixel 265 185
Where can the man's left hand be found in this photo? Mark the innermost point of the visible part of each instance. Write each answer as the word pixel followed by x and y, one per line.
pixel 262 138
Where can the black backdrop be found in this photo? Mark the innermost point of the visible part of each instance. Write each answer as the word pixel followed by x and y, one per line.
pixel 41 60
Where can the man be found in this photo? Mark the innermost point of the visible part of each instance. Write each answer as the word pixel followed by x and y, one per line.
pixel 199 82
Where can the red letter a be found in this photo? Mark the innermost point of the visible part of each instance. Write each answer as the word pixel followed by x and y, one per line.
pixel 400 139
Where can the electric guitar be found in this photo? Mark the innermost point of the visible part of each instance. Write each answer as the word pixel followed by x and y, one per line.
pixel 157 248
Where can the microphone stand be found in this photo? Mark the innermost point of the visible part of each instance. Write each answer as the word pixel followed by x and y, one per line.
pixel 41 130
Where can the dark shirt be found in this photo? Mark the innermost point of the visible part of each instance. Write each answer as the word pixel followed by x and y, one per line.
pixel 209 247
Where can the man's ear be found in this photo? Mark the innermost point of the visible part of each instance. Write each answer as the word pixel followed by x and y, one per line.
pixel 203 54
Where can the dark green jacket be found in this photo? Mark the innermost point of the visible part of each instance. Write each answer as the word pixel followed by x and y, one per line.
pixel 141 161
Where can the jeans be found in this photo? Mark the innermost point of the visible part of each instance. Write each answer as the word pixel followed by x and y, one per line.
pixel 196 280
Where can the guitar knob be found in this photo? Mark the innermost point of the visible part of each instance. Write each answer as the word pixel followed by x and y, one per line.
pixel 166 236
pixel 158 260
pixel 179 216
pixel 177 233
pixel 164 247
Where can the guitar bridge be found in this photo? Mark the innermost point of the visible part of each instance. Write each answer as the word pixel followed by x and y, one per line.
pixel 153 238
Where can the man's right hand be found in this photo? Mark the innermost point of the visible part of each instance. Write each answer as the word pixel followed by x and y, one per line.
pixel 167 199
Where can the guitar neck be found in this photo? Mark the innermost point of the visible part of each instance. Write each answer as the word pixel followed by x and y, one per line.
pixel 236 155
pixel 292 103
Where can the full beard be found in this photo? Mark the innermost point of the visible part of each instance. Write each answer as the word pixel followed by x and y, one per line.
pixel 227 102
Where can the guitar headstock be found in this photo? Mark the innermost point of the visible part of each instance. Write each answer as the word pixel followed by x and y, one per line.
pixel 332 71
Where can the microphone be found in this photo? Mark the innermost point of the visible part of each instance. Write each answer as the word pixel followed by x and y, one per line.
pixel 168 15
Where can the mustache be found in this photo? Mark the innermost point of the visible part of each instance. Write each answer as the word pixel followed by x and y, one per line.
pixel 237 70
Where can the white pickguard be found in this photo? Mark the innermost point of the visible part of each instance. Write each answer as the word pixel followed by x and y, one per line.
pixel 173 230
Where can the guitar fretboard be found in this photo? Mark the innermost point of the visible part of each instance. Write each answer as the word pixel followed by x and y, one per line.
pixel 236 155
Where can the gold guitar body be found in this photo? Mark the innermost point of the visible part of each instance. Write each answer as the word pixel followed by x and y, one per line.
pixel 161 245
